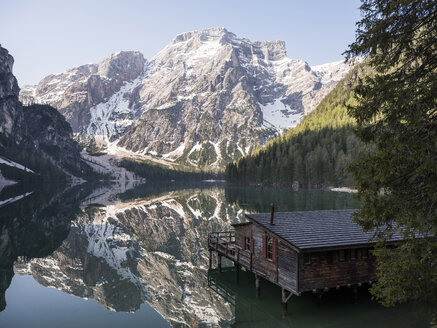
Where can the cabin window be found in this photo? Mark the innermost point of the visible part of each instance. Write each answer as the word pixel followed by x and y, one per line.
pixel 353 254
pixel 269 249
pixel 323 257
pixel 364 253
pixel 247 243
pixel 341 255
pixel 307 259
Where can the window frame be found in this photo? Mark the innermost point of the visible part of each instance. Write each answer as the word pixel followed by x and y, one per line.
pixel 269 247
pixel 247 243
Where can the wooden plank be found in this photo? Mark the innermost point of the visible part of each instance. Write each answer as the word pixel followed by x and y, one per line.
pixel 282 272
pixel 319 275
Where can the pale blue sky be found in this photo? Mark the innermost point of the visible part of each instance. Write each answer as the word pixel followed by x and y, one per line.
pixel 50 36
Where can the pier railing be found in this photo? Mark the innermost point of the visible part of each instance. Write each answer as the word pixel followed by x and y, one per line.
pixel 224 244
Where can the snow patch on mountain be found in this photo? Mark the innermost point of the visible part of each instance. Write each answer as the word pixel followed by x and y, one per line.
pixel 175 154
pixel 280 116
pixel 175 206
pixel 107 117
pixel 335 71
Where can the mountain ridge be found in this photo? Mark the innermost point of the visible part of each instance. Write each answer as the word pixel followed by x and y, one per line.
pixel 205 99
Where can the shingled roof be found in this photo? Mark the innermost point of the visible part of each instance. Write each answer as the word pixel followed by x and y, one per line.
pixel 315 229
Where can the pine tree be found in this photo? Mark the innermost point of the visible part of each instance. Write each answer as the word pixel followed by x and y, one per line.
pixel 397 115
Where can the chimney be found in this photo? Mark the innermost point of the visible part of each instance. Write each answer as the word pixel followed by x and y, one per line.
pixel 272 213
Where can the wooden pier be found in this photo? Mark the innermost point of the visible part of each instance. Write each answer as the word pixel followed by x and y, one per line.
pixel 223 243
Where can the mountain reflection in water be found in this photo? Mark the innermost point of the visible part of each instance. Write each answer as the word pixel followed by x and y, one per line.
pixel 146 245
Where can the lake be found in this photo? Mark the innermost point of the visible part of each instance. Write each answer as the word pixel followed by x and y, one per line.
pixel 136 256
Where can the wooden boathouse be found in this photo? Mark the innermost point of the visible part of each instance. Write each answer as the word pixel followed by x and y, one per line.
pixel 299 251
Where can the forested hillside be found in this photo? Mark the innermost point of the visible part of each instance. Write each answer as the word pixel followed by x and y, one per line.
pixel 315 153
pixel 157 172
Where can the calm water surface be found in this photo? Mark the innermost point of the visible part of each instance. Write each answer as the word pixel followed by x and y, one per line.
pixel 110 256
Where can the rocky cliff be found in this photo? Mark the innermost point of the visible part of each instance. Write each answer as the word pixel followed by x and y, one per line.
pixel 207 98
pixel 38 130
pixel 49 132
pixel 10 107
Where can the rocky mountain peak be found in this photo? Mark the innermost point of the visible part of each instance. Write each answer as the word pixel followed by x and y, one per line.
pixel 10 107
pixel 271 50
pixel 216 37
pixel 207 98
pixel 218 34
pixel 74 91
pixel 6 61
pixel 124 65
pixel 8 82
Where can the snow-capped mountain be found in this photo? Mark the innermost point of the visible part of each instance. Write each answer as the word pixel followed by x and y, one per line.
pixel 77 90
pixel 207 98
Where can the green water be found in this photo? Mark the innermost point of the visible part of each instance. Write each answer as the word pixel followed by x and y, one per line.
pixel 110 256
pixel 336 309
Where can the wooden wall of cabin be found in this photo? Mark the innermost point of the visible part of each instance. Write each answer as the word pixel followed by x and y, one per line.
pixel 287 267
pixel 282 270
pixel 318 275
pixel 265 268
pixel 241 232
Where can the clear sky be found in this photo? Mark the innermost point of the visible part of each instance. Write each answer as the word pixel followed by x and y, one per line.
pixel 50 36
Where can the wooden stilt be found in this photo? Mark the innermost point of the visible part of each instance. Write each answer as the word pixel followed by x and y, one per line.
pixel 219 263
pixel 284 301
pixel 284 308
pixel 237 273
pixel 257 287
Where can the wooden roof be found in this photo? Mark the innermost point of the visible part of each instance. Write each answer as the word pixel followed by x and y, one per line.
pixel 315 229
